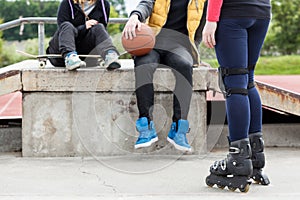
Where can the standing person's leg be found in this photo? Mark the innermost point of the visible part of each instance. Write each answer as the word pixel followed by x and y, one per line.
pixel 256 36
pixel 232 53
pixel 98 41
pixel 181 62
pixel 145 67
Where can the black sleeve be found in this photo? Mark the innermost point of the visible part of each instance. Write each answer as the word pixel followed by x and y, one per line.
pixel 144 9
pixel 64 12
pixel 198 35
pixel 107 9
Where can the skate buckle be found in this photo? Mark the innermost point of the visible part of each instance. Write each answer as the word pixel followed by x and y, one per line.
pixel 234 150
pixel 223 165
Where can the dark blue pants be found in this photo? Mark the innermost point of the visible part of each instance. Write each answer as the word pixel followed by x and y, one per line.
pixel 180 61
pixel 239 42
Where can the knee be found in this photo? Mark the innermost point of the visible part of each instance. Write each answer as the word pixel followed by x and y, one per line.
pixel 149 59
pixel 233 81
pixel 66 25
pixel 99 28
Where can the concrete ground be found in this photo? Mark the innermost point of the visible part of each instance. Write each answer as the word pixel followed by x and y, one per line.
pixel 139 177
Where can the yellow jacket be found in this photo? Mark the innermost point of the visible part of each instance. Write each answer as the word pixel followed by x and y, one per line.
pixel 159 16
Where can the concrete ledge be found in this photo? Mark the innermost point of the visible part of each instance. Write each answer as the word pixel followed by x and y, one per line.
pixel 10 81
pixel 100 80
pixel 92 111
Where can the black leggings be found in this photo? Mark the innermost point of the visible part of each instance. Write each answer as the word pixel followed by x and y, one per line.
pixel 180 61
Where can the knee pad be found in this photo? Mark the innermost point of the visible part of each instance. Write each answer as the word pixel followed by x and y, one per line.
pixel 223 72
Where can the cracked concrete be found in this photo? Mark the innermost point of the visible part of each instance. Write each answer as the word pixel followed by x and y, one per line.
pixel 139 176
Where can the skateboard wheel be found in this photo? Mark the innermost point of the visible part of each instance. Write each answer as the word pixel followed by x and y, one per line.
pixel 42 64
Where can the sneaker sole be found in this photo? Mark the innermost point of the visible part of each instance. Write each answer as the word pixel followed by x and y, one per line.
pixel 178 147
pixel 113 65
pixel 81 64
pixel 146 144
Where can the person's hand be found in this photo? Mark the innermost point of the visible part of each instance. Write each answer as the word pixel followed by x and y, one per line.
pixel 90 23
pixel 208 34
pixel 132 24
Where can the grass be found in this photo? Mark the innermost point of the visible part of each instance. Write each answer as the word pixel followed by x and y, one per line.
pixel 278 65
pixel 272 65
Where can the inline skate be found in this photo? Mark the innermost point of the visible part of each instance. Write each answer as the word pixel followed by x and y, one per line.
pixel 258 158
pixel 235 170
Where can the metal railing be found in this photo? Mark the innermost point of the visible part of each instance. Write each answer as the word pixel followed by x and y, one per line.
pixel 41 21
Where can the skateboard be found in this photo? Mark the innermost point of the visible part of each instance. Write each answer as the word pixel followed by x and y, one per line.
pixel 42 59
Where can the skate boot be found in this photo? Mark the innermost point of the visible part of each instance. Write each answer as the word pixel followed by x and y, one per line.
pixel 258 158
pixel 235 170
pixel 177 136
pixel 147 133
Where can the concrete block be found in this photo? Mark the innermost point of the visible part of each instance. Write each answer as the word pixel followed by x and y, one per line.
pixel 100 123
pixel 10 139
pixel 275 135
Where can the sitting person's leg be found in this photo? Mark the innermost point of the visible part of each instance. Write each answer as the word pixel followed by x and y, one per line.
pixel 181 62
pixel 63 42
pixel 145 67
pixel 98 41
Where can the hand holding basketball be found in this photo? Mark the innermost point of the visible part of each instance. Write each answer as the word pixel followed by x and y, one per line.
pixel 138 39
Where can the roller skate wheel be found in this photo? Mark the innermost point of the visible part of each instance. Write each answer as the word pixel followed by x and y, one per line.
pixel 232 188
pixel 209 184
pixel 245 189
pixel 220 186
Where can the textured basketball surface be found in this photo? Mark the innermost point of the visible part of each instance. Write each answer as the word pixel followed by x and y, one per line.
pixel 142 44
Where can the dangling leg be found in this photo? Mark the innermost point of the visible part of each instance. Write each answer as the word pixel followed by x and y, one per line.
pixel 180 60
pixel 145 67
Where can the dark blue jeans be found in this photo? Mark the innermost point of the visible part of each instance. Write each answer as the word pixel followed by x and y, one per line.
pixel 239 42
pixel 180 61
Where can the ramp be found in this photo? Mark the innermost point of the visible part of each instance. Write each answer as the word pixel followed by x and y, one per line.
pixel 280 93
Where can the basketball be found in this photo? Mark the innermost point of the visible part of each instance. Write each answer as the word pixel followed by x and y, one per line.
pixel 142 44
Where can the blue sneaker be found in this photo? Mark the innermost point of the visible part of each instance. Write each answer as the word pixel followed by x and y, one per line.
pixel 72 61
pixel 147 133
pixel 178 138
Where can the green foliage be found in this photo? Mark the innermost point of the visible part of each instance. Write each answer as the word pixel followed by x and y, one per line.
pixel 114 28
pixel 11 10
pixel 10 56
pixel 119 6
pixel 279 65
pixel 272 65
pixel 284 37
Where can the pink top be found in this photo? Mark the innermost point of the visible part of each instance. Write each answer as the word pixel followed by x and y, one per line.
pixel 214 10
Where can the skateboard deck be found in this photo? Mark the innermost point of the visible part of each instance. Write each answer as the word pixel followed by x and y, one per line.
pixel 42 59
